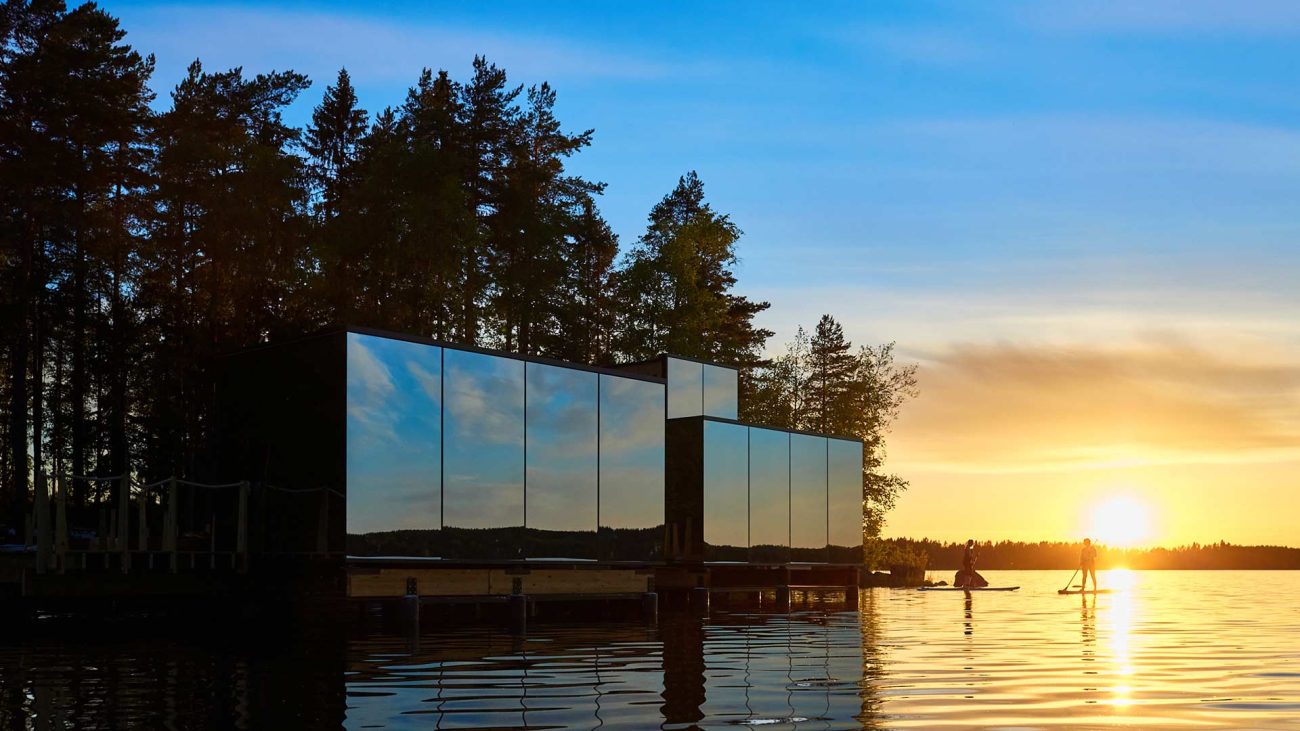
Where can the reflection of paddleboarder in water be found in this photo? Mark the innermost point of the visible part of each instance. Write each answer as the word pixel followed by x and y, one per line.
pixel 1088 563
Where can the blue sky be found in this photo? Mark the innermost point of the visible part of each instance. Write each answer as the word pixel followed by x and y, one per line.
pixel 1047 182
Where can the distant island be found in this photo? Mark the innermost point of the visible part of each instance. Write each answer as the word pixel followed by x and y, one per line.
pixel 938 556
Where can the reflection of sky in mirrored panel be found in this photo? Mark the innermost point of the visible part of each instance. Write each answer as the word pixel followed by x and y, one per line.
pixel 561 448
pixel 807 491
pixel 721 392
pixel 484 442
pixel 685 388
pixel 631 453
pixel 726 488
pixel 394 401
pixel 844 480
pixel 769 487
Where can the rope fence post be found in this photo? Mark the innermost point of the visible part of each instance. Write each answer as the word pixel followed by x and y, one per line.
pixel 144 520
pixel 323 523
pixel 124 521
pixel 61 524
pixel 43 537
pixel 241 527
pixel 169 536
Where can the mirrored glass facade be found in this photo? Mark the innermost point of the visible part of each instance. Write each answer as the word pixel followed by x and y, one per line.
pixel 808 515
pixel 461 454
pixel 685 388
pixel 631 510
pixel 844 484
pixel 726 491
pixel 561 455
pixel 701 389
pixel 804 493
pixel 394 439
pixel 483 480
pixel 721 392
pixel 769 492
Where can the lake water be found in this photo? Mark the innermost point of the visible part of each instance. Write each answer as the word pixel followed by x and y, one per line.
pixel 1169 650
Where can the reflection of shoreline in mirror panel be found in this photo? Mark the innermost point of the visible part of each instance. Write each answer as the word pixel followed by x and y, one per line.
pixel 394 400
pixel 484 441
pixel 726 489
pixel 721 392
pixel 844 468
pixel 807 491
pixel 561 452
pixel 631 453
pixel 685 388
pixel 769 487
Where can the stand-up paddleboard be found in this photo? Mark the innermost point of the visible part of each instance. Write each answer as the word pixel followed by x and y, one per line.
pixel 1081 591
pixel 973 588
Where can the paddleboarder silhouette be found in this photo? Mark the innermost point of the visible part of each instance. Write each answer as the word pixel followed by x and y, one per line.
pixel 1088 564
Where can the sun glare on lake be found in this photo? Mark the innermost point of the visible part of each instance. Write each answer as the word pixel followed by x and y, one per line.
pixel 1121 521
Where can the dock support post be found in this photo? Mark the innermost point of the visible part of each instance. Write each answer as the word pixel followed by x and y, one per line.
pixel 782 598
pixel 650 607
pixel 518 614
pixel 851 597
pixel 411 614
pixel 700 599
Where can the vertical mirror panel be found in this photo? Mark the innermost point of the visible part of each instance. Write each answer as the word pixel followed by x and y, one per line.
pixel 726 491
pixel 394 403
pixel 769 494
pixel 685 388
pixel 807 491
pixel 560 510
pixel 844 478
pixel 721 392
pixel 631 468
pixel 483 449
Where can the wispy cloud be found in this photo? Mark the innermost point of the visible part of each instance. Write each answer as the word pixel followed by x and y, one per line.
pixel 374 49
pixel 1201 17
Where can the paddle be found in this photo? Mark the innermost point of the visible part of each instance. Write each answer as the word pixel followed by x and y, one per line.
pixel 1071 581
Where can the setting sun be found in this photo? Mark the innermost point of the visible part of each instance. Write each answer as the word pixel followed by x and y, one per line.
pixel 1120 521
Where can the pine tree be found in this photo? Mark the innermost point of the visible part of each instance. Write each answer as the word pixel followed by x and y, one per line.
pixel 675 285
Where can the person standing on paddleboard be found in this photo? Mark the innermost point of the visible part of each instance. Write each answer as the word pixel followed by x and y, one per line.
pixel 1088 563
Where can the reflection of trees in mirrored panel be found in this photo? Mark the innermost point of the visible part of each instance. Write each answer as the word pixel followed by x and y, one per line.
pixel 561 452
pixel 844 480
pixel 807 491
pixel 685 388
pixel 769 487
pixel 394 402
pixel 721 392
pixel 631 454
pixel 484 442
pixel 726 491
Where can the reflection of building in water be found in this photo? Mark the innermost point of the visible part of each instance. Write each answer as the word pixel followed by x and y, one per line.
pixel 456 453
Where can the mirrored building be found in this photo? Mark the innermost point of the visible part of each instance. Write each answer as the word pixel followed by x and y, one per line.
pixel 442 451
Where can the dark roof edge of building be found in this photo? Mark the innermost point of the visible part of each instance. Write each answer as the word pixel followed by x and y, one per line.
pixel 662 356
pixel 421 340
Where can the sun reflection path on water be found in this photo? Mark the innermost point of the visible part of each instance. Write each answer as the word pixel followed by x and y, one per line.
pixel 1119 609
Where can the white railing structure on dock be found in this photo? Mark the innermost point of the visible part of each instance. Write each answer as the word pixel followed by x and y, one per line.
pixel 115 542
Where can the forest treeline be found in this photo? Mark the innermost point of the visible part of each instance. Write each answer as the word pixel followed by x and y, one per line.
pixel 941 556
pixel 144 240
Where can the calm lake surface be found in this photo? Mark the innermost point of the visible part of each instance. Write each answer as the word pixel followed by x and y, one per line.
pixel 1171 650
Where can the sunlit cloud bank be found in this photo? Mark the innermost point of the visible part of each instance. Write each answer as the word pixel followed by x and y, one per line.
pixel 1018 408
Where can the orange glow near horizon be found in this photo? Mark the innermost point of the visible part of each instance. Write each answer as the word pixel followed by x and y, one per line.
pixel 1139 444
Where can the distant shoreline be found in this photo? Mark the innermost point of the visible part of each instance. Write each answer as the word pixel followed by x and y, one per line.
pixel 1056 556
